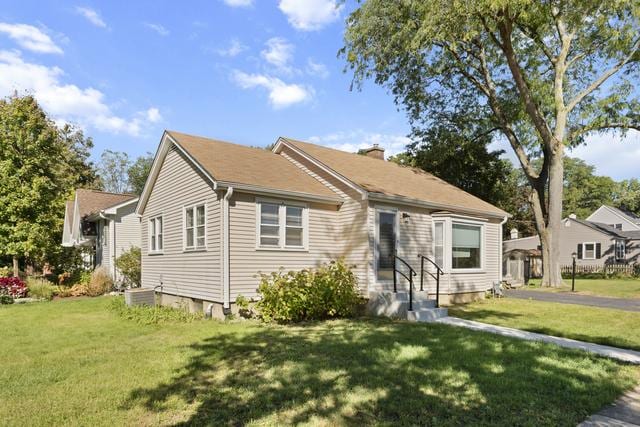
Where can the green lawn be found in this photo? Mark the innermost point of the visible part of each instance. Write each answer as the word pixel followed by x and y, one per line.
pixel 617 288
pixel 75 362
pixel 599 325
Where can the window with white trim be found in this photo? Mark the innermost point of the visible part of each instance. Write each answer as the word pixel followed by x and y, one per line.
pixel 589 250
pixel 438 241
pixel 281 225
pixel 155 234
pixel 194 229
pixel 621 250
pixel 466 246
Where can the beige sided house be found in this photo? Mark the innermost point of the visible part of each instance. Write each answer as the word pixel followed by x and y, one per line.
pixel 216 214
pixel 104 223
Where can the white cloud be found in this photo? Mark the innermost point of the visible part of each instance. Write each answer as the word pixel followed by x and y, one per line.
pixel 153 115
pixel 238 3
pixel 310 15
pixel 30 37
pixel 67 102
pixel 352 141
pixel 157 28
pixel 279 53
pixel 281 94
pixel 91 16
pixel 317 69
pixel 235 48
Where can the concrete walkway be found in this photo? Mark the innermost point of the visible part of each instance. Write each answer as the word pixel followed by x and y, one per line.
pixel 629 356
pixel 623 412
pixel 627 304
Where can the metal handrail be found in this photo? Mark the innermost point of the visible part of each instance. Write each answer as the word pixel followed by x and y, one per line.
pixel 436 276
pixel 412 273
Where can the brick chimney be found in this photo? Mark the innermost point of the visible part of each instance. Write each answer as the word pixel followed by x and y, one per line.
pixel 375 152
pixel 514 233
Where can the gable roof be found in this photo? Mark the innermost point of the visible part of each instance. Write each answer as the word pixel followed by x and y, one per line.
pixel 629 216
pixel 93 201
pixel 602 228
pixel 380 177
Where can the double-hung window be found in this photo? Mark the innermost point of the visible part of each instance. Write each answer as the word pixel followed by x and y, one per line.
pixel 155 234
pixel 195 227
pixel 466 246
pixel 281 225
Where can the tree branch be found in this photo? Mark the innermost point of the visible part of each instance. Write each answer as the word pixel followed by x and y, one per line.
pixel 523 88
pixel 605 126
pixel 604 77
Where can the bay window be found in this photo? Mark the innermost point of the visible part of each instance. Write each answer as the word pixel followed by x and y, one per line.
pixel 281 225
pixel 466 246
pixel 438 240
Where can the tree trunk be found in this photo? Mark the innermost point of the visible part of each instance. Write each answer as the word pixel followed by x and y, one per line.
pixel 550 236
pixel 16 267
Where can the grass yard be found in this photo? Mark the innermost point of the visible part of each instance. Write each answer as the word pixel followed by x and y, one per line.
pixel 599 325
pixel 616 288
pixel 75 362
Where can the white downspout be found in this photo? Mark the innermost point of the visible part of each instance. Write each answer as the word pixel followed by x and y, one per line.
pixel 501 261
pixel 226 282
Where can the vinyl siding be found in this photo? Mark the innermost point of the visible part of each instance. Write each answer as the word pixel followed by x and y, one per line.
pixel 190 274
pixel 415 237
pixel 126 226
pixel 247 261
pixel 576 233
pixel 353 242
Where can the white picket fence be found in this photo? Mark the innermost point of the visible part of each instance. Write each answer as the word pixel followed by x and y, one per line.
pixel 625 269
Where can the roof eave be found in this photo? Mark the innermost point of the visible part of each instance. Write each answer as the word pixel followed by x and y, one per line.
pixel 281 193
pixel 432 205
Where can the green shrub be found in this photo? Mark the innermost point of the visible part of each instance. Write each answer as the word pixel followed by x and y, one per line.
pixel 129 265
pixel 327 292
pixel 5 271
pixel 100 282
pixel 145 315
pixel 5 299
pixel 40 289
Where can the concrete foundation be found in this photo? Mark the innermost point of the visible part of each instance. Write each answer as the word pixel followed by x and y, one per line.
pixel 195 305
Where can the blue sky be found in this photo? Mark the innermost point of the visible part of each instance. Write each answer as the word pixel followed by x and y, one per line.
pixel 239 70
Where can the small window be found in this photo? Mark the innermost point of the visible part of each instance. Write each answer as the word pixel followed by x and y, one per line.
pixel 195 227
pixel 281 225
pixel 466 246
pixel 621 250
pixel 105 234
pixel 589 251
pixel 618 226
pixel 439 243
pixel 155 234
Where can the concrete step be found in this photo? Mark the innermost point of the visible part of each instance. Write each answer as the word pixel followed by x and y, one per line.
pixel 396 305
pixel 427 314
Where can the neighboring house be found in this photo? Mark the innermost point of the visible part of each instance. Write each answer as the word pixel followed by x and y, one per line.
pixel 616 218
pixel 595 244
pixel 215 215
pixel 104 223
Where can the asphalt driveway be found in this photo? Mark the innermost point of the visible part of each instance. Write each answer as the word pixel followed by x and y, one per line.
pixel 569 298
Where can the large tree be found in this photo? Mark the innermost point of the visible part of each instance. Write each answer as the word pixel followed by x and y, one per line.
pixel 39 165
pixel 138 172
pixel 584 191
pixel 544 74
pixel 113 169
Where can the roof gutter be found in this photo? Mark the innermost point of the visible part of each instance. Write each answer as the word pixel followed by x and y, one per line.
pixel 414 202
pixel 226 281
pixel 282 193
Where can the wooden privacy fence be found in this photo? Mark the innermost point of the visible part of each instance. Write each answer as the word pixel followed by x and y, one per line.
pixel 608 269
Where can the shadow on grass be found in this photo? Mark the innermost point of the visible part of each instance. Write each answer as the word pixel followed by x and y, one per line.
pixel 377 372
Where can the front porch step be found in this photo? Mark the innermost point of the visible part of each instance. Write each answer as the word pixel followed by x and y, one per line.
pixel 396 305
pixel 427 314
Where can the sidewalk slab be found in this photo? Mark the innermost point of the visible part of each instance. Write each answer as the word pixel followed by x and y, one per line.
pixel 623 355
